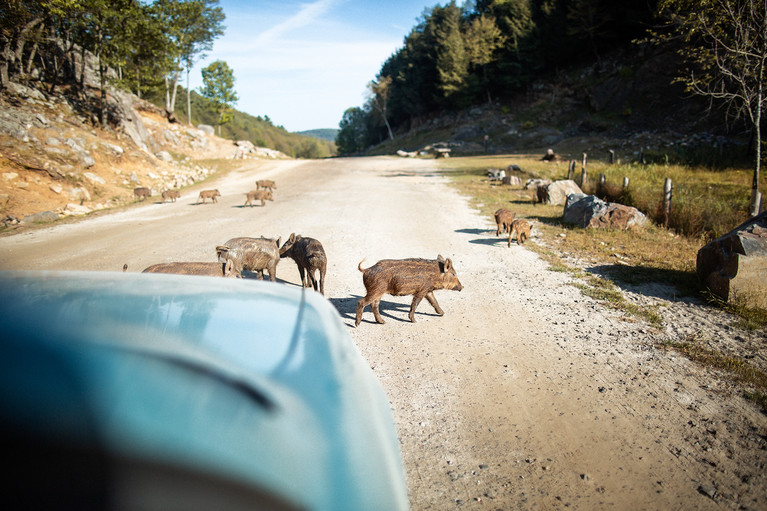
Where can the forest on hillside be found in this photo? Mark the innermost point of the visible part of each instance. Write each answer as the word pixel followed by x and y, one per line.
pixel 81 49
pixel 487 50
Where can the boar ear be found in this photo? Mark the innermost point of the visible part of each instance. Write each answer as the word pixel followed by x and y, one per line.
pixel 292 238
pixel 279 238
pixel 441 263
pixel 448 264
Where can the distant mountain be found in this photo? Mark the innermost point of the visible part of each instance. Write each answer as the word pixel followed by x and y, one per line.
pixel 328 134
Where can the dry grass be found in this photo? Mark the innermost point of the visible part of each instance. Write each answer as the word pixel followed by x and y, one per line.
pixel 741 372
pixel 650 254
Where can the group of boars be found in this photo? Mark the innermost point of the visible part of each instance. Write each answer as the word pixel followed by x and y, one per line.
pixel 396 277
pixel 264 191
pixel 505 222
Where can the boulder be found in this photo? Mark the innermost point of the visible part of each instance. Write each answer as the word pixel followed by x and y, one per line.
pixel 206 128
pixel 533 184
pixel 734 266
pixel 43 216
pixel 591 211
pixel 559 190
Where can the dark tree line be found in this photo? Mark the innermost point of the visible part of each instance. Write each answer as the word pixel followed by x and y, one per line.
pixel 139 46
pixel 484 51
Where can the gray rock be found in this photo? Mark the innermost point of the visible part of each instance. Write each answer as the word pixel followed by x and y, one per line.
pixel 93 178
pixel 164 156
pixel 43 216
pixel 206 128
pixel 559 190
pixel 591 211
pixel 734 266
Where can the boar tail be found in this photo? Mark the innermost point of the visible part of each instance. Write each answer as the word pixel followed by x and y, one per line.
pixel 359 266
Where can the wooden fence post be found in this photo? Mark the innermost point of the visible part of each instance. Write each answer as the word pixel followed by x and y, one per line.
pixel 584 172
pixel 625 182
pixel 571 170
pixel 667 193
pixel 612 156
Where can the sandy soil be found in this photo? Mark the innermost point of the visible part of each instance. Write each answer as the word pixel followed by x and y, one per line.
pixel 525 394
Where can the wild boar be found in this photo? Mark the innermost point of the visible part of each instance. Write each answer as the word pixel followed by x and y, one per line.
pixel 170 194
pixel 401 277
pixel 208 194
pixel 262 195
pixel 521 228
pixel 309 257
pixel 503 219
pixel 251 254
pixel 267 184
pixel 142 192
pixel 541 194
pixel 210 269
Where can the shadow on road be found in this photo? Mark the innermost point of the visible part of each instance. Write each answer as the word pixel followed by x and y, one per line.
pixel 347 308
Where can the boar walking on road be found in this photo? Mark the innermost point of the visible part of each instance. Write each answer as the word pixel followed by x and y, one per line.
pixel 309 257
pixel 251 254
pixel 521 228
pixel 402 277
pixel 194 268
pixel 170 194
pixel 208 194
pixel 142 192
pixel 503 219
pixel 266 184
pixel 262 195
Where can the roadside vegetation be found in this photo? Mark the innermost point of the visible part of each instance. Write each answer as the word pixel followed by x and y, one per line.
pixel 707 203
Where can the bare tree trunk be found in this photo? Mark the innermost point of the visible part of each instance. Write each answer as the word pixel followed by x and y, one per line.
pixel 173 93
pixel 756 196
pixel 188 99
pixel 167 95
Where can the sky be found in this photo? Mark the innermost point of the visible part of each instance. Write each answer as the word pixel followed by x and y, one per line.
pixel 302 63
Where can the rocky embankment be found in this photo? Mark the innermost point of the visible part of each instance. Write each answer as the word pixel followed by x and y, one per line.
pixel 55 161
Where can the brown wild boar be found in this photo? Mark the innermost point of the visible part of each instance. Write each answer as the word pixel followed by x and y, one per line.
pixel 208 194
pixel 503 219
pixel 262 195
pixel 402 277
pixel 195 268
pixel 251 254
pixel 170 194
pixel 267 184
pixel 309 257
pixel 521 228
pixel 142 192
pixel 541 194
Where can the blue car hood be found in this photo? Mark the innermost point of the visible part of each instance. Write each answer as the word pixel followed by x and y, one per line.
pixel 253 381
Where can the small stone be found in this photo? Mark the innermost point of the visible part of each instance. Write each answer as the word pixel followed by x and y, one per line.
pixel 707 490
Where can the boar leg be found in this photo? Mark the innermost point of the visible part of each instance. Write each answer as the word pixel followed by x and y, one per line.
pixel 364 302
pixel 416 300
pixel 433 301
pixel 302 274
pixel 377 315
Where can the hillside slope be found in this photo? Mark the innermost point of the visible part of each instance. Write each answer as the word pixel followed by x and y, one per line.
pixel 54 162
pixel 627 102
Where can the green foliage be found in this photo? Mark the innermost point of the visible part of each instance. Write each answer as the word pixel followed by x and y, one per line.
pixel 352 134
pixel 218 87
pixel 492 49
pixel 259 130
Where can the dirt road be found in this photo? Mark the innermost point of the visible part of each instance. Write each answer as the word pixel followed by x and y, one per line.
pixel 524 395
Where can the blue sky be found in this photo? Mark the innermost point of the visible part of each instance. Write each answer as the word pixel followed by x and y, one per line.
pixel 304 62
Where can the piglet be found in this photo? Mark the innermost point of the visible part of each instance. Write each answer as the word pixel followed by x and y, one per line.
pixel 401 277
